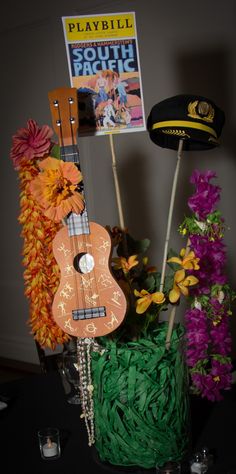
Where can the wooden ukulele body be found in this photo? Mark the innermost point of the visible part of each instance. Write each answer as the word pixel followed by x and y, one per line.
pixel 89 302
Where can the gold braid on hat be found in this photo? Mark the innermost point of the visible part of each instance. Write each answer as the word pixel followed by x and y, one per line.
pixel 201 110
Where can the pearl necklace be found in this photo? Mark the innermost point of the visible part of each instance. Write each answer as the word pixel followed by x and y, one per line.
pixel 84 348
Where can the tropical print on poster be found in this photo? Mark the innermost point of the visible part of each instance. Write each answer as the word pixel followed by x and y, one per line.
pixel 104 67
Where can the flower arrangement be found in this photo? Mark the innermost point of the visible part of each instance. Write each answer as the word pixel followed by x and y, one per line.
pixel 142 282
pixel 198 273
pixel 208 320
pixel 51 188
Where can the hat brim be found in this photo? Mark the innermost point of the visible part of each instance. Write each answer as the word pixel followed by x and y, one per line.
pixel 196 136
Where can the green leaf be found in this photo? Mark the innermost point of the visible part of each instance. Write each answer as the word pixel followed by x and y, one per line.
pixel 172 253
pixel 190 224
pixel 55 152
pixel 169 281
pixel 152 316
pixel 214 217
pixel 172 265
pixel 215 289
pixel 150 283
pixel 128 246
pixel 203 300
pixel 141 246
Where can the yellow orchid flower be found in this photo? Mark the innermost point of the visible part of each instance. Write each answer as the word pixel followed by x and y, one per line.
pixel 146 299
pixel 187 260
pixel 181 284
pixel 125 263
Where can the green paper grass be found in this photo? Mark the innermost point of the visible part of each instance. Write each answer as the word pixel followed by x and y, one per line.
pixel 141 400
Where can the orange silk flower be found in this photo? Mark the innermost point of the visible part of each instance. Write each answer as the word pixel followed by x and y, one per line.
pixel 55 188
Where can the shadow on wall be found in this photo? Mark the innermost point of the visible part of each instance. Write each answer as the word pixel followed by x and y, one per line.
pixel 138 212
pixel 207 73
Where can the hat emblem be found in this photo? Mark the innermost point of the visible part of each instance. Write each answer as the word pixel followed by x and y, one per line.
pixel 201 110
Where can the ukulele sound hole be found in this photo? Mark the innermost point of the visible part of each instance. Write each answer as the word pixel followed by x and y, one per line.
pixel 84 262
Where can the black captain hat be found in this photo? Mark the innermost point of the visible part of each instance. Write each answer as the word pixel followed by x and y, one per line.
pixel 195 119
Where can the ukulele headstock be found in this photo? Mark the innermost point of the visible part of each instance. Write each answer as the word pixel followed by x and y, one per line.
pixel 64 111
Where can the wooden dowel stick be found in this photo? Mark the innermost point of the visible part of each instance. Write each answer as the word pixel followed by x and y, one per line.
pixel 171 208
pixel 117 188
pixel 170 326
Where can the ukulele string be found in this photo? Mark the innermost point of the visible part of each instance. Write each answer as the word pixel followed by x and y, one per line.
pixel 63 148
pixel 91 279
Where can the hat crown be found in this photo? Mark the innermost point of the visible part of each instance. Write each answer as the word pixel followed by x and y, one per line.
pixel 194 118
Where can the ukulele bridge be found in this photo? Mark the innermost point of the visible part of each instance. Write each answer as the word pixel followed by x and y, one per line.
pixel 89 313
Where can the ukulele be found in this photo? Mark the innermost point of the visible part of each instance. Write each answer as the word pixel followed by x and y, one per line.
pixel 88 302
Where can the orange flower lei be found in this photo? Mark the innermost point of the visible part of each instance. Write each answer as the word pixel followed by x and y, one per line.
pixel 41 275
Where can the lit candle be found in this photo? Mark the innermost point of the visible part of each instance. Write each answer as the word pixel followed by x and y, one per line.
pixel 49 449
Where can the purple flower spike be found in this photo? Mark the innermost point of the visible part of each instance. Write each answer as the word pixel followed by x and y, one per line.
pixel 208 339
pixel 207 195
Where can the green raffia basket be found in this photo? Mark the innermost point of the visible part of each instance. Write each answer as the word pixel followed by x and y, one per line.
pixel 141 400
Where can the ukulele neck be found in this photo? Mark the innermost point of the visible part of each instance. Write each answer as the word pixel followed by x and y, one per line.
pixel 77 223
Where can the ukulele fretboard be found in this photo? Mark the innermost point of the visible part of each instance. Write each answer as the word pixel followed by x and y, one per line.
pixel 78 223
pixel 70 153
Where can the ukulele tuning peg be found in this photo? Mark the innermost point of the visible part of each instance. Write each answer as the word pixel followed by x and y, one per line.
pixel 71 100
pixel 72 120
pixel 55 103
pixel 58 122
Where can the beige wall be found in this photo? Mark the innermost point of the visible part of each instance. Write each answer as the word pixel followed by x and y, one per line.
pixel 185 47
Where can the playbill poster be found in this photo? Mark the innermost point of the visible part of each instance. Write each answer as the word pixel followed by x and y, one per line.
pixel 103 60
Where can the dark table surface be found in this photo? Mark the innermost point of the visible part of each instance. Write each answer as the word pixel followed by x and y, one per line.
pixel 38 401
